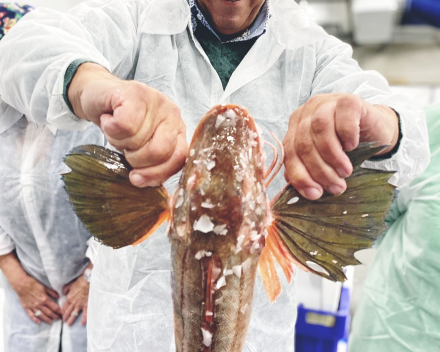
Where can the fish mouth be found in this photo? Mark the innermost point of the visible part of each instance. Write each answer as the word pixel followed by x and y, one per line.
pixel 240 113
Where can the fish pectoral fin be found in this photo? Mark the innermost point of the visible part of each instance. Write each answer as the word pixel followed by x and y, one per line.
pixel 328 231
pixel 117 213
pixel 269 275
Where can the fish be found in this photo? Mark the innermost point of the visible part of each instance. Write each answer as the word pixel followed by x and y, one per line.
pixel 222 226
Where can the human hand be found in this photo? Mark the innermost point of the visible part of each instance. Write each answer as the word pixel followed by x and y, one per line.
pixel 138 120
pixel 35 299
pixel 77 293
pixel 322 130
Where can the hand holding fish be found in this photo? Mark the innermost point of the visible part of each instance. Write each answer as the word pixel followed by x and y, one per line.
pixel 322 130
pixel 136 119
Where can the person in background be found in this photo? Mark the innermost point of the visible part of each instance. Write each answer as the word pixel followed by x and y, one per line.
pixel 10 13
pixel 146 71
pixel 399 310
pixel 42 243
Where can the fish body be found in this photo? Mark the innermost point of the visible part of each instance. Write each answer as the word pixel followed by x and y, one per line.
pixel 220 213
pixel 222 226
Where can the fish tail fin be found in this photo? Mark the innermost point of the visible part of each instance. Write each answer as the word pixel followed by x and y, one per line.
pixel 328 232
pixel 117 213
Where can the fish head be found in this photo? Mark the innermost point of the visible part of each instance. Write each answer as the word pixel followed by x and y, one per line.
pixel 221 194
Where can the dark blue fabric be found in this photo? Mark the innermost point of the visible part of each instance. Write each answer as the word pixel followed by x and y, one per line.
pixel 423 12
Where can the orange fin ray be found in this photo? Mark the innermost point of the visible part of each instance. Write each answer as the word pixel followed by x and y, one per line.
pixel 280 162
pixel 269 274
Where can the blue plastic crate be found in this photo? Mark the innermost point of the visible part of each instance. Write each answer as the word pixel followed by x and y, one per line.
pixel 320 331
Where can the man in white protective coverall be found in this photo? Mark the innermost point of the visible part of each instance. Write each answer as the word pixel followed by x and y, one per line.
pixel 42 244
pixel 145 71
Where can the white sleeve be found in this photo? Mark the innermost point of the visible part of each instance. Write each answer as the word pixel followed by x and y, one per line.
pixel 92 250
pixel 36 53
pixel 6 243
pixel 337 72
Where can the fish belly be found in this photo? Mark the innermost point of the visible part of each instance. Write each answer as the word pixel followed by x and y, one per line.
pixel 211 310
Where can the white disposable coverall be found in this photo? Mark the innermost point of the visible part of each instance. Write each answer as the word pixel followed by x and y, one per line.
pixel 37 221
pixel 151 41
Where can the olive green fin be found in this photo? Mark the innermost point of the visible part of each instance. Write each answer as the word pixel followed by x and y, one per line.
pixel 113 210
pixel 330 230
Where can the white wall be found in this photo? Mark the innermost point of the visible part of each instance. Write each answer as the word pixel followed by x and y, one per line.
pixel 60 5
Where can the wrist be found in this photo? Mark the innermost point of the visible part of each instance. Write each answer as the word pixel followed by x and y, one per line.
pixel 13 271
pixel 86 74
pixel 392 124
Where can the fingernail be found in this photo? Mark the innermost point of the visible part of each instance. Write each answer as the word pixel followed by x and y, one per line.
pixel 342 173
pixel 312 193
pixel 335 189
pixel 137 180
pixel 348 146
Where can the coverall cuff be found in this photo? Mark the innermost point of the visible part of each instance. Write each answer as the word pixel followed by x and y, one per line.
pixel 70 73
pixel 7 245
pixel 92 250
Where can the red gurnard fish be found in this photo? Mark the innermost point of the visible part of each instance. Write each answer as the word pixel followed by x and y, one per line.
pixel 223 226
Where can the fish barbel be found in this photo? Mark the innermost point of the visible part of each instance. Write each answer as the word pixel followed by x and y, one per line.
pixel 222 226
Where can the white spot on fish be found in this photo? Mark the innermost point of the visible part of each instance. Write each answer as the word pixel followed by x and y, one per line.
pixel 181 229
pixel 261 198
pixel 230 138
pixel 196 161
pixel 314 253
pixel 334 261
pixel 193 208
pixel 254 247
pixel 246 265
pixel 219 300
pixel 210 165
pixel 179 202
pixel 191 181
pixel 345 212
pixel 221 282
pixel 200 254
pixel 207 337
pixel 208 205
pixel 227 272
pixel 365 215
pixel 219 121
pixel 231 114
pixel 254 235
pixel 192 152
pixel 240 240
pixel 293 200
pixel 237 270
pixel 220 230
pixel 204 224
pixel 209 314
